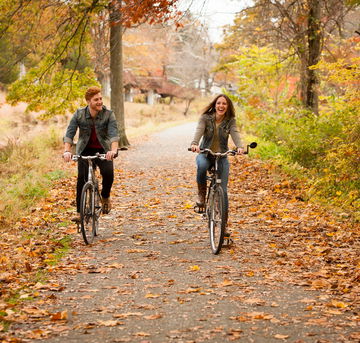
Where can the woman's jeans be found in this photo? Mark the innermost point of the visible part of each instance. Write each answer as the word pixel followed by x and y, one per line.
pixel 106 171
pixel 204 162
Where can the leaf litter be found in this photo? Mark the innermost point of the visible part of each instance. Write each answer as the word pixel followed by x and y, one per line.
pixel 278 239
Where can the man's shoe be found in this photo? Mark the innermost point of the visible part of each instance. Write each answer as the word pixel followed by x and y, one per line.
pixel 106 205
pixel 76 218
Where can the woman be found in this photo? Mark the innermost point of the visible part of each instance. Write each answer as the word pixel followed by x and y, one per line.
pixel 216 123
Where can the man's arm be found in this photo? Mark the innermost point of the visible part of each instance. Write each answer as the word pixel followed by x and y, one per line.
pixel 113 151
pixel 68 138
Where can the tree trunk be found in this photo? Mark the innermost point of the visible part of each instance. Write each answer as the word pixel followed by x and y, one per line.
pixel 116 70
pixel 303 57
pixel 314 48
pixel 187 105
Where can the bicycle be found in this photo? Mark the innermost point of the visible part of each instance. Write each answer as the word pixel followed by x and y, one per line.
pixel 90 201
pixel 214 210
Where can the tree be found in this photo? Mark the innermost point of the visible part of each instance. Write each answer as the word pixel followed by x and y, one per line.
pixel 55 88
pixel 194 55
pixel 300 26
pixel 127 13
pixel 116 68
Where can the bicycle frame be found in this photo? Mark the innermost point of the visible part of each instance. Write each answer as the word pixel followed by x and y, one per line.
pixel 214 176
pixel 94 210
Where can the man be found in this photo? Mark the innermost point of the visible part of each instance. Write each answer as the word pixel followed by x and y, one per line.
pixel 98 133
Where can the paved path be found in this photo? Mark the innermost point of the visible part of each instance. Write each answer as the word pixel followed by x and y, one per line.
pixel 151 277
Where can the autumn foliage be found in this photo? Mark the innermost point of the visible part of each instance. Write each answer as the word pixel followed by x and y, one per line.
pixel 150 11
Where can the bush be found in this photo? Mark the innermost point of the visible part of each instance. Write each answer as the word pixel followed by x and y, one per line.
pixel 324 149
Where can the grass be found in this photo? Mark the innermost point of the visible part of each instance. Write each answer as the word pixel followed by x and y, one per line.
pixel 62 249
pixel 27 170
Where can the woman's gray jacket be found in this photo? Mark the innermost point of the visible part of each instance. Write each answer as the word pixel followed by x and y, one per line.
pixel 105 126
pixel 206 127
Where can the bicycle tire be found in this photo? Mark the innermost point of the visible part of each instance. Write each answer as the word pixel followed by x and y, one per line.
pixel 217 219
pixel 97 210
pixel 87 213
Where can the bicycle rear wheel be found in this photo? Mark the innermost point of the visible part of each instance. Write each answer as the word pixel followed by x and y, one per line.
pixel 87 213
pixel 217 219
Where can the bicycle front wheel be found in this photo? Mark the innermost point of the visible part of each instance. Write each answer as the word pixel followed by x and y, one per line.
pixel 217 219
pixel 87 213
pixel 97 210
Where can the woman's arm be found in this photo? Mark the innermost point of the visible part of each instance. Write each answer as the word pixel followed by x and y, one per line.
pixel 235 134
pixel 199 132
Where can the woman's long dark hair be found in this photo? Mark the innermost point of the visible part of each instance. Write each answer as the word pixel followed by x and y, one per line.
pixel 230 112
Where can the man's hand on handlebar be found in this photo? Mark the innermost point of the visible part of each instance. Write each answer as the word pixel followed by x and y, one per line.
pixel 110 155
pixel 67 156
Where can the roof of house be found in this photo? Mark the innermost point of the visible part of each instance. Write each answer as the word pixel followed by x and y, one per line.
pixel 160 85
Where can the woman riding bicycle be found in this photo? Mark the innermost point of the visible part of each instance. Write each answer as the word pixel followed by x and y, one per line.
pixel 216 123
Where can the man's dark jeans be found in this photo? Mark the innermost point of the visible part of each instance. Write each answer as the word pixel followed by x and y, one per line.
pixel 106 171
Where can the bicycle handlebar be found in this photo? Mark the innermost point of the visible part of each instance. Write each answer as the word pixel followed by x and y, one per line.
pixel 99 156
pixel 229 152
pixel 220 154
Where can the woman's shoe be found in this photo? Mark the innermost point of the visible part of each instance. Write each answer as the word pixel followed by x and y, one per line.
pixel 200 201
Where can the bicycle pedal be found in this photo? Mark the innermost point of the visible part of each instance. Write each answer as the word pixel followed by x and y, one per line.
pixel 228 241
pixel 199 209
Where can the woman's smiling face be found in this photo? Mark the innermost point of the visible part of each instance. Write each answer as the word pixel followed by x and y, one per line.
pixel 221 106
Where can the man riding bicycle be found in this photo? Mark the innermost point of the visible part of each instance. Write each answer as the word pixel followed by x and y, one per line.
pixel 98 133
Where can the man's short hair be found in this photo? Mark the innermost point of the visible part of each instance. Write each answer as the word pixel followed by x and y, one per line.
pixel 91 92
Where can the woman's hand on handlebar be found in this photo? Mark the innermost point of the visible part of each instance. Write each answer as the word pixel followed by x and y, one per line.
pixel 195 148
pixel 240 151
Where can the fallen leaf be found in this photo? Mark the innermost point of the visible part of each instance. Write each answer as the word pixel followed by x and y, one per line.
pixel 278 336
pixel 109 323
pixel 142 334
pixel 337 304
pixel 226 283
pixel 126 315
pixel 255 301
pixel 153 316
pixel 59 316
pixel 150 295
pixel 194 268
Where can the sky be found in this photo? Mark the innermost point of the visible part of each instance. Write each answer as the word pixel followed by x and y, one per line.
pixel 215 13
